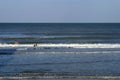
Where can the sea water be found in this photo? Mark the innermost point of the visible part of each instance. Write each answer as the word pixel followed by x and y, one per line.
pixel 87 49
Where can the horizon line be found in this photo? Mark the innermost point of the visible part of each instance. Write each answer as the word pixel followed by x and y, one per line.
pixel 60 22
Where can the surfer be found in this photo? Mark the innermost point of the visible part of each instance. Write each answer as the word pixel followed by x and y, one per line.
pixel 35 45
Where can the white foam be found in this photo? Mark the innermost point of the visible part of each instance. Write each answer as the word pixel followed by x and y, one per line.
pixel 64 45
pixel 94 52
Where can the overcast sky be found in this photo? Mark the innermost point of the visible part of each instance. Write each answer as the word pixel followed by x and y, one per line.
pixel 60 11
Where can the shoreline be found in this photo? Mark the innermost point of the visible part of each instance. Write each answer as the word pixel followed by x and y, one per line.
pixel 58 77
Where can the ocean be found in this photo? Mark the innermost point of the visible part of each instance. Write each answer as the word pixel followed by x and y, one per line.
pixel 74 49
pixel 60 33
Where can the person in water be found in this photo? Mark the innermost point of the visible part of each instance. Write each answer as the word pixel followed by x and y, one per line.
pixel 35 45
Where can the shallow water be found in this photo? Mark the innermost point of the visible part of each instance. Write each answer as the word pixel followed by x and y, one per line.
pixel 79 64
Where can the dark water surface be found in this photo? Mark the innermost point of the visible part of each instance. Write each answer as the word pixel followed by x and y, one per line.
pixel 60 32
pixel 79 64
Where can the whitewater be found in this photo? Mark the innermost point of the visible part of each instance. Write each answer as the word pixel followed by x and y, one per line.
pixel 63 45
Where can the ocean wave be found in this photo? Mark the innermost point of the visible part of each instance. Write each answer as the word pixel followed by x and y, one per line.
pixel 88 52
pixel 17 36
pixel 64 45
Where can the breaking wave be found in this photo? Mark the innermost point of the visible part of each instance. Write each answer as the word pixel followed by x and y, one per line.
pixel 64 45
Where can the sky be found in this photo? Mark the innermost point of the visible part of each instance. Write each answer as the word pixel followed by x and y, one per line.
pixel 60 11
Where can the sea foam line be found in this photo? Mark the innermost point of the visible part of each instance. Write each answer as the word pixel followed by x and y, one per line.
pixel 55 76
pixel 64 45
pixel 94 52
